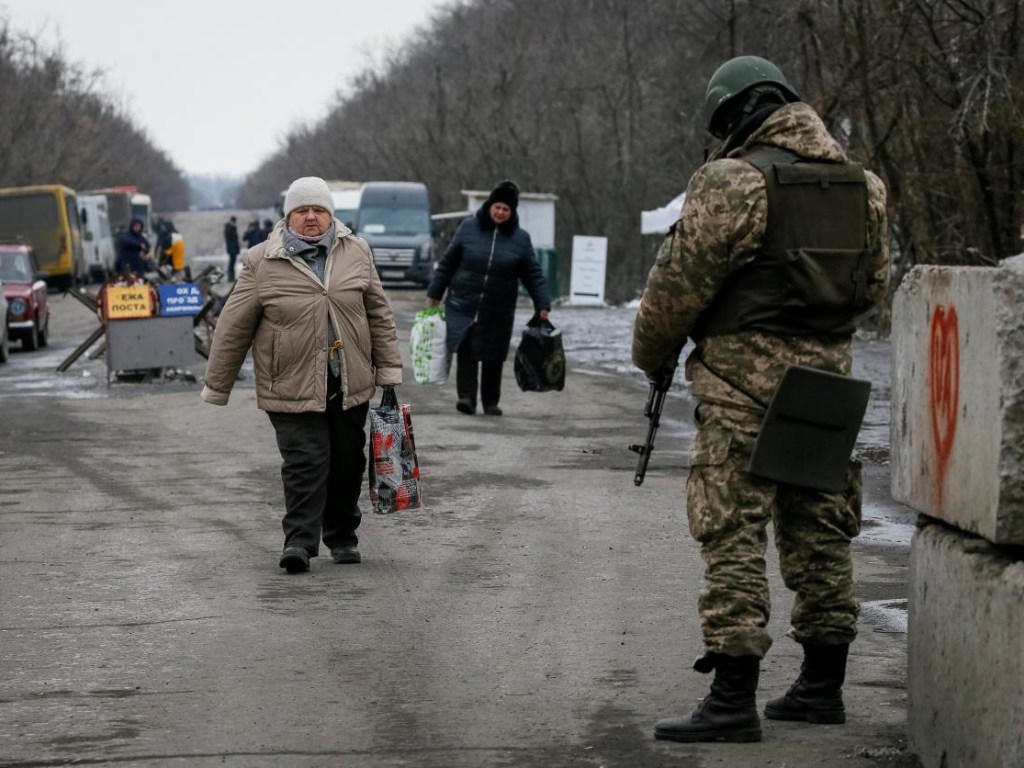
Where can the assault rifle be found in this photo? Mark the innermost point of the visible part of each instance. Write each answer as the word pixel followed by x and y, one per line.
pixel 652 411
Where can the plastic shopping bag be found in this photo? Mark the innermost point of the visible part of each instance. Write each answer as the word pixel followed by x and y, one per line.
pixel 394 469
pixel 540 358
pixel 429 350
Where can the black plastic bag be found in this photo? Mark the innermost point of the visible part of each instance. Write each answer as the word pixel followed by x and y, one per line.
pixel 540 359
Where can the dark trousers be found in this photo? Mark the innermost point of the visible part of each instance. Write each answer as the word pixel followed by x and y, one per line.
pixel 469 368
pixel 324 458
pixel 232 257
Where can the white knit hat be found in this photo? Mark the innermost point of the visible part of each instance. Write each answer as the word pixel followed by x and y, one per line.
pixel 309 190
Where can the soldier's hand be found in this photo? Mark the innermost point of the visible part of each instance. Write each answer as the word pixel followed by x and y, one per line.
pixel 662 378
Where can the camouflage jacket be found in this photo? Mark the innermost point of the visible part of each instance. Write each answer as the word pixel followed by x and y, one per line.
pixel 721 229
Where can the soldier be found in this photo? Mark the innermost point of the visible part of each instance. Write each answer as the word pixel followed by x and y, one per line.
pixel 781 242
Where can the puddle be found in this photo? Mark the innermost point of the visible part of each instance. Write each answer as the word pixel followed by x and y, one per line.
pixel 887 616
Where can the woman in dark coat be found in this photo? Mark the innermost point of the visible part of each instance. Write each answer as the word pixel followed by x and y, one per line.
pixel 481 270
pixel 132 248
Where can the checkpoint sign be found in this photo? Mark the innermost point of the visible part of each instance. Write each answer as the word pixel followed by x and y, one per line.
pixel 180 299
pixel 589 257
pixel 125 302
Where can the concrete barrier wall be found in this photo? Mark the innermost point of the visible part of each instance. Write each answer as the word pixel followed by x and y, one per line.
pixel 965 651
pixel 958 397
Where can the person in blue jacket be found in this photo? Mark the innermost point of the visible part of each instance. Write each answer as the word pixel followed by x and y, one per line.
pixel 481 270
pixel 132 249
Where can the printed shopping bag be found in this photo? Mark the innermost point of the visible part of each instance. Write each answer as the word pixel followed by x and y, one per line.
pixel 428 347
pixel 394 469
pixel 540 359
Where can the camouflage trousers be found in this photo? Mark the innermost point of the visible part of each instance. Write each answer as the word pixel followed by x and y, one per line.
pixel 729 510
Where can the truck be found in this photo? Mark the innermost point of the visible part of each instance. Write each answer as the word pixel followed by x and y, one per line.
pixel 394 219
pixel 119 205
pixel 142 208
pixel 97 236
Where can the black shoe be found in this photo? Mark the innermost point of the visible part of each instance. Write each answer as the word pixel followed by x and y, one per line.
pixel 817 694
pixel 465 406
pixel 492 410
pixel 347 553
pixel 294 559
pixel 729 712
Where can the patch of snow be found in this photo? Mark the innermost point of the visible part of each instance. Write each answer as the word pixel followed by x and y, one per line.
pixel 889 616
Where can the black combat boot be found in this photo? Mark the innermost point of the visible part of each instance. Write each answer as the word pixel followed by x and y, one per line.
pixel 729 712
pixel 817 694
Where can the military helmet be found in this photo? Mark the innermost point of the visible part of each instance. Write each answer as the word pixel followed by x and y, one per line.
pixel 733 79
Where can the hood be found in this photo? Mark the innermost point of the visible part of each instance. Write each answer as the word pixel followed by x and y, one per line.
pixel 798 128
pixel 396 241
pixel 483 218
pixel 17 290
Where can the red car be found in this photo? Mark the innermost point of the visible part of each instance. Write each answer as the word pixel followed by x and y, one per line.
pixel 28 315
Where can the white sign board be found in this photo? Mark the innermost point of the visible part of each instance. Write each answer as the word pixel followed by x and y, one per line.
pixel 589 258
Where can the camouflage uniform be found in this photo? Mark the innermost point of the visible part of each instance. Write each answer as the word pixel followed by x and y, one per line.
pixel 720 230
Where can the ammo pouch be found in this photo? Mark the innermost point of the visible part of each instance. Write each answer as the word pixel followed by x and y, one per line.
pixel 825 284
pixel 811 275
pixel 810 428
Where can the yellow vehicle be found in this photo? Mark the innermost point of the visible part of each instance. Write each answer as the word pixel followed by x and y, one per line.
pixel 46 217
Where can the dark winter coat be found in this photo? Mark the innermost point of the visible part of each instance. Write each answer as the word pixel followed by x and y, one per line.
pixel 130 249
pixel 231 239
pixel 481 271
pixel 253 236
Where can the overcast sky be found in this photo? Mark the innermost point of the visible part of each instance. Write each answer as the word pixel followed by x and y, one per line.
pixel 217 83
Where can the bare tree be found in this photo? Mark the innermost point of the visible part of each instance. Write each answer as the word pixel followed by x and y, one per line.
pixel 57 127
pixel 601 102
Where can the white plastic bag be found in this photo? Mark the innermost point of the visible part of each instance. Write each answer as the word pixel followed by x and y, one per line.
pixel 430 359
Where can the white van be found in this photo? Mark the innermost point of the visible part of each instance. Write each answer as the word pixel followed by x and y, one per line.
pixel 97 239
pixel 346 196
pixel 142 208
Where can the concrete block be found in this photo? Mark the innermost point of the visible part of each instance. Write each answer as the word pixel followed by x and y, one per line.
pixel 965 652
pixel 957 426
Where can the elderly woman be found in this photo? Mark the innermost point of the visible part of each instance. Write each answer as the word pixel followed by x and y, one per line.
pixel 310 305
pixel 481 270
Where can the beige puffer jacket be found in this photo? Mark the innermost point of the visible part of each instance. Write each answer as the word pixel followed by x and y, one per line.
pixel 280 308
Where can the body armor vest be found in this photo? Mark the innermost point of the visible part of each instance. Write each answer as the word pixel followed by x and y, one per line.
pixel 810 278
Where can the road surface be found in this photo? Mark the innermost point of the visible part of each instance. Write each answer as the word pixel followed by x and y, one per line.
pixel 539 610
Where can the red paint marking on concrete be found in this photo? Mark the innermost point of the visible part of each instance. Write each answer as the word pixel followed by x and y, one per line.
pixel 944 388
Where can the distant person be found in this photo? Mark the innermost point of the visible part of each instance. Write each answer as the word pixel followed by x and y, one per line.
pixel 132 250
pixel 170 247
pixel 309 304
pixel 176 254
pixel 480 271
pixel 232 244
pixel 268 227
pixel 253 235
pixel 781 243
